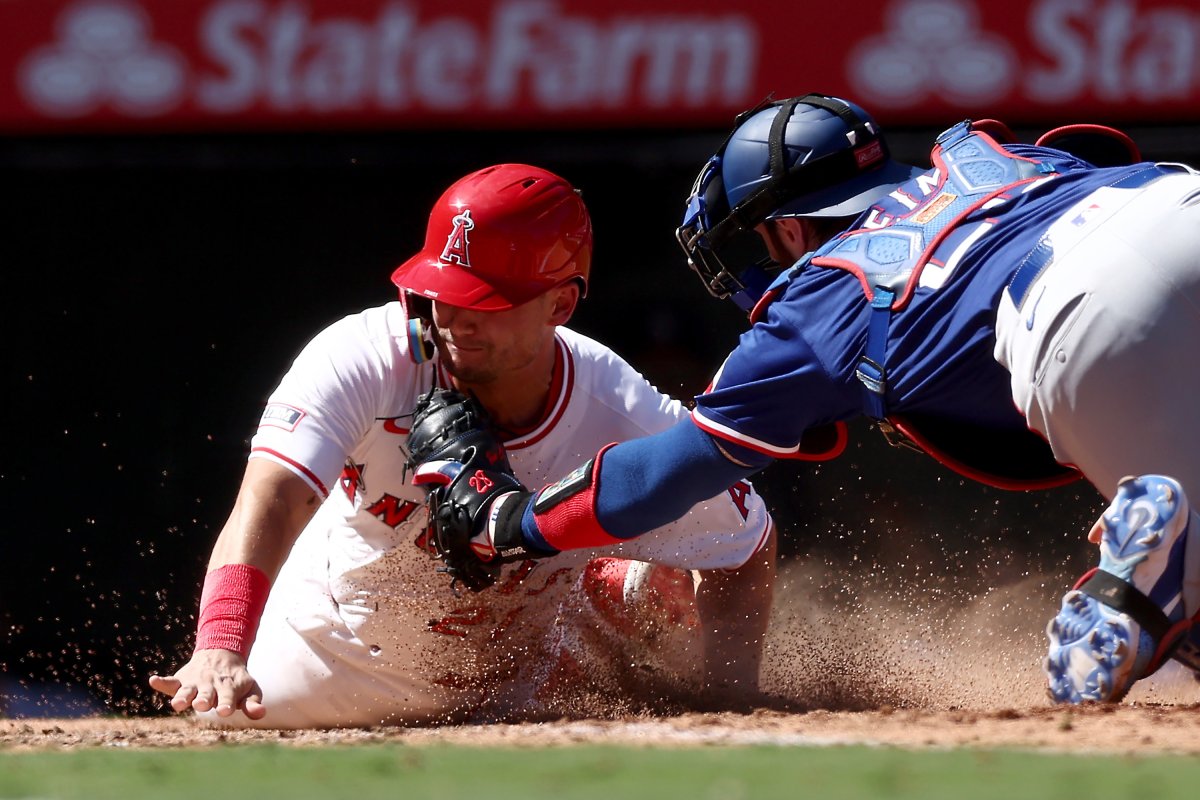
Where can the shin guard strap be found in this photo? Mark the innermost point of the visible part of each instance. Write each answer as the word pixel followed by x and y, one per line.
pixel 1122 596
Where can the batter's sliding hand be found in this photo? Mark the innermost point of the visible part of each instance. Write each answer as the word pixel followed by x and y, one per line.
pixel 213 679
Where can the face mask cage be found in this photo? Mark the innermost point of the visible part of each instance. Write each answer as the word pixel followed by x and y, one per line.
pixel 719 248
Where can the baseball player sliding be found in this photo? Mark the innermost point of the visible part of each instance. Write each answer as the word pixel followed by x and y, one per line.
pixel 321 606
pixel 1025 313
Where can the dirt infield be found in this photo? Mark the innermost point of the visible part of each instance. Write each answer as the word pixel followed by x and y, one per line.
pixel 1142 729
pixel 880 666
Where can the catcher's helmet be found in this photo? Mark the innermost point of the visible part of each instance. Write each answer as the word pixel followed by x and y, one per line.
pixel 810 156
pixel 498 238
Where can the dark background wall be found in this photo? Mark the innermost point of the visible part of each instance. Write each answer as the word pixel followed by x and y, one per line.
pixel 155 290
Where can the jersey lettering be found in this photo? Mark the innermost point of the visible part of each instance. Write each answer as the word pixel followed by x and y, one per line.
pixel 457 243
pixel 740 493
pixel 392 511
pixel 513 582
pixel 392 426
pixel 929 182
pixel 458 621
pixel 352 479
pixel 877 219
pixel 904 198
pixel 424 541
pixel 551 580
pixel 497 633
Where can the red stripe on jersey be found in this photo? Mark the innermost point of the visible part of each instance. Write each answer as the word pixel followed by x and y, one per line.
pixel 814 448
pixel 296 465
pixel 562 383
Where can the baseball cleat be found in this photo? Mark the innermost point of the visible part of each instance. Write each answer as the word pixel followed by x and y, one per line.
pixel 1126 617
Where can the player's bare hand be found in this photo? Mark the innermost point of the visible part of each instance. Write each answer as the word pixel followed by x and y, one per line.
pixel 213 679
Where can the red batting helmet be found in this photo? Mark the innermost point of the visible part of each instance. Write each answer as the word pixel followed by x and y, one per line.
pixel 500 237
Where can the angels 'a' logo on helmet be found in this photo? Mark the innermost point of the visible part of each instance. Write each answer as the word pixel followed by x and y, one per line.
pixel 457 243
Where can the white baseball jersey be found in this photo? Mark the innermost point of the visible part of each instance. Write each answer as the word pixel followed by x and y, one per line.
pixel 359 628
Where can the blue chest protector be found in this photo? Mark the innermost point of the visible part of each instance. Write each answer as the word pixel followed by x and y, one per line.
pixel 889 252
pixel 929 220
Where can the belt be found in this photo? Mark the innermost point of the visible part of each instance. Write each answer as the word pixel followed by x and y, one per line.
pixel 1043 254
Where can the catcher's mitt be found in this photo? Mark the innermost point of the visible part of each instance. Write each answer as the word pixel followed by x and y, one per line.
pixel 455 453
pixel 450 426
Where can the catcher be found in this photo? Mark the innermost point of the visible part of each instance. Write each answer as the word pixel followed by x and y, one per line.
pixel 1023 313
pixel 320 607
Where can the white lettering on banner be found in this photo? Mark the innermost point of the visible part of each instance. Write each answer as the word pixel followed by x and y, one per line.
pixel 1117 50
pixel 574 63
pixel 282 57
pixel 289 61
pixel 445 63
pixel 1113 50
pixel 219 37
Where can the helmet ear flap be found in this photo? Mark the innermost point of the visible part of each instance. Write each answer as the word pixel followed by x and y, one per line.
pixel 420 341
pixel 419 311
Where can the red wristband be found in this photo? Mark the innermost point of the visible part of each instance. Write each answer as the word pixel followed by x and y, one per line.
pixel 230 607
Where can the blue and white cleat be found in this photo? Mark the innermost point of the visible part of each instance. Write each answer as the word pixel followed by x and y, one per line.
pixel 1126 617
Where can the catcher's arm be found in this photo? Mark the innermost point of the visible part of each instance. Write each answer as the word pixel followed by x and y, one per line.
pixel 272 507
pixel 648 482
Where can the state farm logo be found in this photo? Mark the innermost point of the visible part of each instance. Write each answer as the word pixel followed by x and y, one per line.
pixel 932 48
pixel 283 57
pixel 1116 52
pixel 103 56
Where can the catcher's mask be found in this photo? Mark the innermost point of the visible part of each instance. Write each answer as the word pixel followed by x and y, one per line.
pixel 810 156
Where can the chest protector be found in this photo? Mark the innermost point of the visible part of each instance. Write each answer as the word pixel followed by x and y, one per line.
pixel 926 222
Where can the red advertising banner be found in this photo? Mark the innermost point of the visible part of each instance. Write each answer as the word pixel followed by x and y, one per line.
pixel 124 65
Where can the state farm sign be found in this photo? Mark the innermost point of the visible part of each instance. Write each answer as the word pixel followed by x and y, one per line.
pixel 524 49
pixel 237 64
pixel 1070 51
pixel 282 58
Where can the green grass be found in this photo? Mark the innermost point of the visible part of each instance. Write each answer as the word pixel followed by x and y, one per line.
pixel 404 772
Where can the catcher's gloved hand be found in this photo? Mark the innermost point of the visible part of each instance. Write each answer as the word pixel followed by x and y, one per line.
pixel 449 426
pixel 474 501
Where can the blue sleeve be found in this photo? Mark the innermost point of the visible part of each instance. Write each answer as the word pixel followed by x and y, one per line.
pixel 646 483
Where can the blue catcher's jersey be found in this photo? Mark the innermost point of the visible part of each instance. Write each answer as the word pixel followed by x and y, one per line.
pixel 796 368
